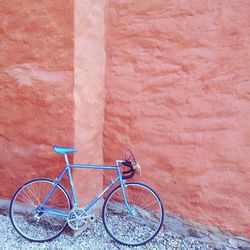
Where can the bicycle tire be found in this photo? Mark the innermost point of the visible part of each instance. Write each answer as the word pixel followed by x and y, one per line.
pixel 23 210
pixel 133 230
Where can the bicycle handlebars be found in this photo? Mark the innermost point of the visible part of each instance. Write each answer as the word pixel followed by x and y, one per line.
pixel 131 163
pixel 128 173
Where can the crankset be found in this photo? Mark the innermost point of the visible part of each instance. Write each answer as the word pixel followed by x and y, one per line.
pixel 79 219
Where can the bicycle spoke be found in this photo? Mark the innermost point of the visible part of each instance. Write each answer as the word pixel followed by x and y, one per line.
pixel 26 196
pixel 32 194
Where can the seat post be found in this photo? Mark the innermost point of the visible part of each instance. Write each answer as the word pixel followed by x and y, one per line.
pixel 66 159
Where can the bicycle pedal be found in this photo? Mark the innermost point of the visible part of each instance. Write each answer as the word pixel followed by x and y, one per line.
pixel 92 218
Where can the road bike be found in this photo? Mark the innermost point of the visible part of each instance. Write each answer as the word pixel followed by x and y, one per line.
pixel 132 212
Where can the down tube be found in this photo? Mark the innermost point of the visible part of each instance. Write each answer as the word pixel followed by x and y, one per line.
pixel 101 194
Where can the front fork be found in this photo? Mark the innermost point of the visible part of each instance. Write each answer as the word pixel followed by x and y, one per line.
pixel 123 185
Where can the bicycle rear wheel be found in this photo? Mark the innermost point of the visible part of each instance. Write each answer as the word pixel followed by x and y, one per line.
pixel 37 225
pixel 140 227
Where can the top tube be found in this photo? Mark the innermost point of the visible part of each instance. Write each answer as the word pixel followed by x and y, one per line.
pixel 94 166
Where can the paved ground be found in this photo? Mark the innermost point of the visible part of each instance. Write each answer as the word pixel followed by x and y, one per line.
pixel 95 238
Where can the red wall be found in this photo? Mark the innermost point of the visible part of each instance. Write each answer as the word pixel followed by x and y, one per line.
pixel 36 89
pixel 178 94
pixel 174 88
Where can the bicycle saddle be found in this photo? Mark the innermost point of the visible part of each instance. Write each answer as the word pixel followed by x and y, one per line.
pixel 62 150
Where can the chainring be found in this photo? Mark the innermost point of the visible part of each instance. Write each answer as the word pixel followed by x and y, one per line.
pixel 77 219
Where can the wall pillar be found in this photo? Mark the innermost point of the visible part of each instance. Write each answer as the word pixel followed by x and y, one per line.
pixel 89 73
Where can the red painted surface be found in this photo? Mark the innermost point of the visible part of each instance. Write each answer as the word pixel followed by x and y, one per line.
pixel 178 94
pixel 36 89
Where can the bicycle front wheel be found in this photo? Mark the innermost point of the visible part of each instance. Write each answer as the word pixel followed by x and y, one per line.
pixel 138 227
pixel 32 223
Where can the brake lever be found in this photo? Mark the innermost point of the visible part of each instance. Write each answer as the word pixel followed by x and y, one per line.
pixel 136 165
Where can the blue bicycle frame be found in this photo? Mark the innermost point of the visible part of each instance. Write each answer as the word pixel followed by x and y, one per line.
pixel 68 167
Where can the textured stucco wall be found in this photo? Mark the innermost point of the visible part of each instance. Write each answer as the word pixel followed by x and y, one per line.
pixel 36 89
pixel 178 93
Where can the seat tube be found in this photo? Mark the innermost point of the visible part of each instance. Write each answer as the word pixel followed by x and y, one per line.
pixel 66 159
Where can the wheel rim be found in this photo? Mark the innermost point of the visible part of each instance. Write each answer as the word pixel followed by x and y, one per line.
pixel 43 225
pixel 135 229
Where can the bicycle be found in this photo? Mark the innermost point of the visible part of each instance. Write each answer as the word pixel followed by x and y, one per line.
pixel 132 212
